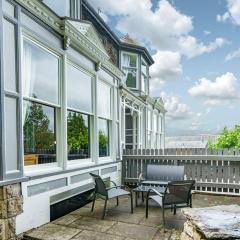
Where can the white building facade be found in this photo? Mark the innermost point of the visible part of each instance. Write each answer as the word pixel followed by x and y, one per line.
pixel 73 96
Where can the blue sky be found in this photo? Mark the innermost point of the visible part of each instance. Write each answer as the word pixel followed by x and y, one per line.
pixel 195 45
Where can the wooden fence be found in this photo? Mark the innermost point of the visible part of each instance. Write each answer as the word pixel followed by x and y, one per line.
pixel 214 170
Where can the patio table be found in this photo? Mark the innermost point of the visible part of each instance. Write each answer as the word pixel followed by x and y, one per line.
pixel 144 189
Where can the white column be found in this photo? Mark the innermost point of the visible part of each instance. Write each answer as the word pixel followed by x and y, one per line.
pixel 139 130
pixel 123 130
pixel 62 124
pixel 163 132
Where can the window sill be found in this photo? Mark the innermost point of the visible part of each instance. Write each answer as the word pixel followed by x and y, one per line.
pixel 80 163
pixel 31 171
pixel 106 160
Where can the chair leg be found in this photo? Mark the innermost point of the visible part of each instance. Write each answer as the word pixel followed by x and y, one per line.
pixel 94 198
pixel 142 197
pixel 174 210
pixel 104 209
pixel 117 201
pixel 147 207
pixel 191 201
pixel 136 199
pixel 131 196
pixel 163 219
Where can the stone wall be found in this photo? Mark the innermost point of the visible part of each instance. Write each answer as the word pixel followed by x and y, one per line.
pixel 11 205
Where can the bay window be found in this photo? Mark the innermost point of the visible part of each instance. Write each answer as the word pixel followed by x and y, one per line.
pixel 41 102
pixel 79 102
pixel 104 118
pixel 130 68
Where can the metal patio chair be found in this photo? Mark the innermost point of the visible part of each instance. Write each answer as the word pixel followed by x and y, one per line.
pixel 108 193
pixel 177 195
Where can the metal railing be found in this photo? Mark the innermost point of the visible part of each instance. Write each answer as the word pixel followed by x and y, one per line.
pixel 215 171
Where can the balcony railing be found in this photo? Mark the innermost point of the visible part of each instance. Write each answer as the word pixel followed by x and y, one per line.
pixel 214 170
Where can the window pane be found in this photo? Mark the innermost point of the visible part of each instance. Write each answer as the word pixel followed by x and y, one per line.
pixel 40 73
pixel 60 7
pixel 104 100
pixel 11 133
pixel 39 134
pixel 79 87
pixel 8 8
pixel 78 136
pixel 129 60
pixel 131 77
pixel 103 137
pixel 144 82
pixel 9 53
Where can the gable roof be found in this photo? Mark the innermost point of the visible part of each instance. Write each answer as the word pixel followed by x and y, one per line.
pixel 122 45
pixel 87 29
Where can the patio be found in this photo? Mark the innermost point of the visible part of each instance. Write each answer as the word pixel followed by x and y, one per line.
pixel 119 223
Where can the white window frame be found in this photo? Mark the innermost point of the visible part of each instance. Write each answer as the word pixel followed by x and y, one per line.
pixel 149 128
pixel 56 166
pixel 135 68
pixel 111 124
pixel 86 161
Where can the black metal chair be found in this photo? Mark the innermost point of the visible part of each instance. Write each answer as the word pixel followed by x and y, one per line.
pixel 177 195
pixel 108 193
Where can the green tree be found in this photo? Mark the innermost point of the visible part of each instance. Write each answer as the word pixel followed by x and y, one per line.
pixel 227 139
pixel 78 137
pixel 103 140
pixel 37 134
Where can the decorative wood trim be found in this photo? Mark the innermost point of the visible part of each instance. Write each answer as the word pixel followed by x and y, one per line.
pixel 86 40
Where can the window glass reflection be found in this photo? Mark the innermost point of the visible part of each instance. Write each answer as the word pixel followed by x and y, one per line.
pixel 79 88
pixel 39 134
pixel 78 136
pixel 103 137
pixel 40 73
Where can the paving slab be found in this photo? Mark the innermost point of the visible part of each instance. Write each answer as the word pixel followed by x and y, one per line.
pixel 133 231
pixel 53 232
pixel 90 235
pixel 124 217
pixel 92 224
pixel 67 219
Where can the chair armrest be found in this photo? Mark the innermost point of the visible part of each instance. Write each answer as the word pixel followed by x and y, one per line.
pixel 116 186
pixel 155 191
pixel 113 183
pixel 140 178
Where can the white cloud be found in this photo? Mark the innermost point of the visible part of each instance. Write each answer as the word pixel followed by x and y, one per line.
pixel 206 32
pixel 222 89
pixel 167 67
pixel 232 14
pixel 164 28
pixel 233 55
pixel 176 109
pixel 191 48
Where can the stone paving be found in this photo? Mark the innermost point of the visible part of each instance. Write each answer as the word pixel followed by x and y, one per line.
pixel 119 223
